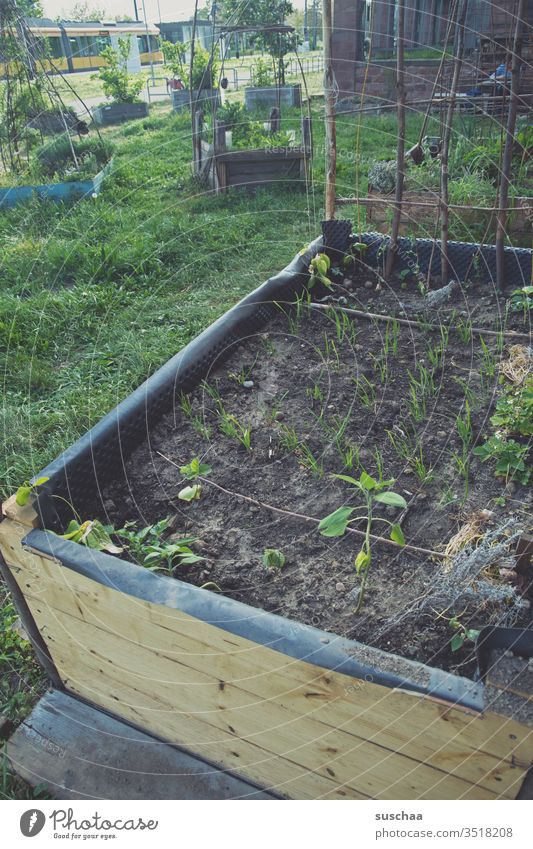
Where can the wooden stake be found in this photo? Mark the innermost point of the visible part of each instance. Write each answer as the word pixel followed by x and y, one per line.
pixel 501 222
pixel 329 101
pixel 445 152
pixel 400 148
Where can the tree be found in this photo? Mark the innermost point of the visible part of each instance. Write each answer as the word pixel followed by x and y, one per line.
pixel 260 13
pixel 83 11
pixel 30 8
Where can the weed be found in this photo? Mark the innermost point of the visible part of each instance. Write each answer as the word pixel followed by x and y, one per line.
pixel 232 427
pixel 421 389
pixel 371 491
pixel 521 300
pixel 20 675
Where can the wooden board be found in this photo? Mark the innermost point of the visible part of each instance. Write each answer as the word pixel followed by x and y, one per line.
pixel 78 752
pixel 299 729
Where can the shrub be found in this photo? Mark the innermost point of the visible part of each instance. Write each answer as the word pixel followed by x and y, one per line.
pixel 55 157
pixel 262 74
pixel 200 71
pixel 382 176
pixel 118 83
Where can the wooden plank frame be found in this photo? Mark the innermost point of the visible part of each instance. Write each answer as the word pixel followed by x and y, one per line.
pixel 284 710
pixel 299 712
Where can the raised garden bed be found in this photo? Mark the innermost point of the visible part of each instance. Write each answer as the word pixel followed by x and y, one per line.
pixel 181 99
pixel 223 168
pixel 246 676
pixel 117 113
pixel 256 98
pixel 64 192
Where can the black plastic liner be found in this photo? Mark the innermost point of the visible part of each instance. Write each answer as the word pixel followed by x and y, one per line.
pixel 468 260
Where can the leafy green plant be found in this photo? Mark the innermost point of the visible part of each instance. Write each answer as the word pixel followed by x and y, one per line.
pixel 93 534
pixel 175 56
pixel 318 269
pixel 232 427
pixel 273 558
pixel 462 634
pixel 24 491
pixel 117 82
pixel 411 451
pixel 262 74
pixel 514 410
pixel 151 550
pixel 55 157
pixel 204 69
pixel 521 300
pixel 191 471
pixel 372 492
pixel 509 455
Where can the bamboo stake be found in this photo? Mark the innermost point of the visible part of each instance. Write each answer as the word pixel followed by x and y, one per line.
pixel 444 190
pixel 501 221
pixel 329 102
pixel 400 148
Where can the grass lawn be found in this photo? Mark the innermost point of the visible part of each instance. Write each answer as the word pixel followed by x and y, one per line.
pixel 94 297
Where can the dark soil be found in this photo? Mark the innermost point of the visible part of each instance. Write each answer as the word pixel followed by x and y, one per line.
pixel 305 388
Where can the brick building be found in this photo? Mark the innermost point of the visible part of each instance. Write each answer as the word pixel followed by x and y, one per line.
pixel 359 24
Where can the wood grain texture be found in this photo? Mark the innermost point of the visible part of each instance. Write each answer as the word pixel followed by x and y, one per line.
pixel 283 723
pixel 78 752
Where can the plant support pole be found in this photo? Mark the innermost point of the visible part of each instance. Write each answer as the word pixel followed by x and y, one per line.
pixel 501 223
pixel 444 176
pixel 400 148
pixel 329 101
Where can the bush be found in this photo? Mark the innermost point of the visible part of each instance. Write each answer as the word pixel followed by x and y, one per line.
pixel 56 157
pixel 200 75
pixel 118 83
pixel 262 74
pixel 382 176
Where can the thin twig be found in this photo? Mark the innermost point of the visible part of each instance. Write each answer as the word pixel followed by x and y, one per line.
pixel 514 334
pixel 305 518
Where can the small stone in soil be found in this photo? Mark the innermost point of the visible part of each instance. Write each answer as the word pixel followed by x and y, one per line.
pixel 368 284
pixel 248 384
pixel 340 587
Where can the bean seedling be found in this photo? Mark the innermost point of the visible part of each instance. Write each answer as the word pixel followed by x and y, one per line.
pixel 372 492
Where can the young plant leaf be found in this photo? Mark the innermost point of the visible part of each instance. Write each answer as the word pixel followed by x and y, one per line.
pixel 23 494
pixel 273 558
pixel 457 641
pixel 396 534
pixel 362 561
pixel 392 499
pixel 336 523
pixel 367 482
pixel 190 493
pixel 347 478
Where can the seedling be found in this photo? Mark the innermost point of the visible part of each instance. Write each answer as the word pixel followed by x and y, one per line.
pixel 521 300
pixel 318 269
pixel 372 491
pixel 232 427
pixel 510 457
pixel 462 634
pixel 381 366
pixel 26 489
pixel 464 329
pixel 392 336
pixel 92 534
pixel 150 550
pixel 307 459
pixel 365 392
pixel 273 558
pixel 412 453
pixel 195 469
pixel 420 391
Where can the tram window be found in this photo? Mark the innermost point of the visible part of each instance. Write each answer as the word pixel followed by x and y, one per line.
pixel 55 48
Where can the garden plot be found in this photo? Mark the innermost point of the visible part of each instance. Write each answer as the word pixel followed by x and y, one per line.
pixel 436 412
